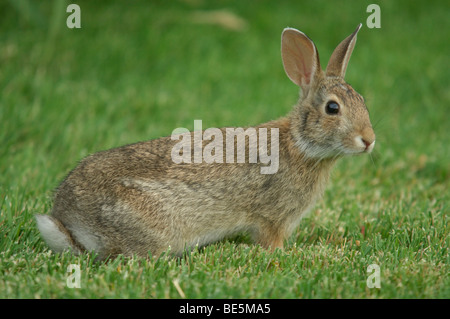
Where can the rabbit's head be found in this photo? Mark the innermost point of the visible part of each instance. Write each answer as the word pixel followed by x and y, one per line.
pixel 331 118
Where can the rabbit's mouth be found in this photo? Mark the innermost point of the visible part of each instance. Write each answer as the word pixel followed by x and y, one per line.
pixel 359 146
pixel 365 144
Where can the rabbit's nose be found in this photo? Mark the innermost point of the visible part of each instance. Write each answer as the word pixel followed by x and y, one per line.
pixel 366 143
pixel 368 139
pixel 369 145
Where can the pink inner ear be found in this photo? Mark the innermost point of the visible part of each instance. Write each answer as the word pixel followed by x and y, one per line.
pixel 307 75
pixel 305 58
pixel 298 55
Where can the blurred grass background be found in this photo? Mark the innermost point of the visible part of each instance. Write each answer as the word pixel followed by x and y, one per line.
pixel 138 69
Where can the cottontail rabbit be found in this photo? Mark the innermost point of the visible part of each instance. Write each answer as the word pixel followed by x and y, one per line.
pixel 136 199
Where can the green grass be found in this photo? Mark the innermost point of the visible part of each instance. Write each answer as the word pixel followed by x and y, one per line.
pixel 137 71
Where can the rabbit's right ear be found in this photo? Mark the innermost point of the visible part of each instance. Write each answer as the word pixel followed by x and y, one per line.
pixel 300 58
pixel 341 55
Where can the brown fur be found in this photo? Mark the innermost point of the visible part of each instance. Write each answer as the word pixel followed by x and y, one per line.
pixel 135 200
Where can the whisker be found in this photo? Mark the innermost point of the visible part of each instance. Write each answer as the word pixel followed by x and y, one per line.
pixel 378 121
pixel 372 160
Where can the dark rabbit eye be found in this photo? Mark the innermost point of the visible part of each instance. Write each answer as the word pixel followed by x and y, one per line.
pixel 332 108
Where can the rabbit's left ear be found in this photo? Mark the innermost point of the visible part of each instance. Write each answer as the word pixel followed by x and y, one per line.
pixel 341 55
pixel 300 58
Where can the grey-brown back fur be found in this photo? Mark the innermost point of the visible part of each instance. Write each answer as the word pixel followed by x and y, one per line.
pixel 135 200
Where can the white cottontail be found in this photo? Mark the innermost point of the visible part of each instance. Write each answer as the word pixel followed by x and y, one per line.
pixel 135 199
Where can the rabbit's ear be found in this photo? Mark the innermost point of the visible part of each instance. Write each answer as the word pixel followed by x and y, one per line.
pixel 341 55
pixel 300 58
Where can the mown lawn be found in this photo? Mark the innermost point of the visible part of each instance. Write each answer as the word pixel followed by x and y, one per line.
pixel 137 70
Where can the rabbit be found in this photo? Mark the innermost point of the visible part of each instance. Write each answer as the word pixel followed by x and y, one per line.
pixel 135 200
